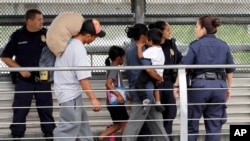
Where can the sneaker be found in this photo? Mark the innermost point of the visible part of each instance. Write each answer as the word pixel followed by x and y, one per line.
pixel 145 102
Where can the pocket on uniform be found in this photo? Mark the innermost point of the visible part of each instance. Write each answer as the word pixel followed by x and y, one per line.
pixel 224 115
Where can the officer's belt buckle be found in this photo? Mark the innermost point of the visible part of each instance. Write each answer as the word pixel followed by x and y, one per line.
pixel 210 76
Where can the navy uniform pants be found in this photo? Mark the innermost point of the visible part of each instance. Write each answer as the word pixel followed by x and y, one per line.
pixel 24 99
pixel 170 110
pixel 215 112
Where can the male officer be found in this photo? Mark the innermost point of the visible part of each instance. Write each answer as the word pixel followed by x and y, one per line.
pixel 26 45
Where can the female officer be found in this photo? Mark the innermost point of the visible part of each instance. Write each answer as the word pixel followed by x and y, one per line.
pixel 211 81
pixel 172 56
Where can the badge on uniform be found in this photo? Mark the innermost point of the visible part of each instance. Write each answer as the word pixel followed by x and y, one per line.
pixel 43 38
pixel 171 52
pixel 44 75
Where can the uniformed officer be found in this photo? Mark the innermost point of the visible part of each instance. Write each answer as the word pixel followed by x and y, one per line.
pixel 172 56
pixel 26 45
pixel 212 82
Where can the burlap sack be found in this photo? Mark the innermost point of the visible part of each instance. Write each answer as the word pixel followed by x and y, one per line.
pixel 62 28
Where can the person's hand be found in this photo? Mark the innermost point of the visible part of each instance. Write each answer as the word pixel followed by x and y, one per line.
pixel 120 99
pixel 25 74
pixel 160 81
pixel 140 44
pixel 129 97
pixel 176 93
pixel 96 105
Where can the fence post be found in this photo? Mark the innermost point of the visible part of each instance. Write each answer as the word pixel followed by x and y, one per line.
pixel 183 105
pixel 139 11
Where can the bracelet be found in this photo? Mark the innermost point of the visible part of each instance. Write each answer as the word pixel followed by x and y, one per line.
pixel 175 86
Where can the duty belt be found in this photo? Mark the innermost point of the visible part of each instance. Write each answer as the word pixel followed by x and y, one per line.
pixel 210 76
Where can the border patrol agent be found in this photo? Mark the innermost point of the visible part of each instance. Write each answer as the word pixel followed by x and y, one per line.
pixel 172 56
pixel 212 83
pixel 26 45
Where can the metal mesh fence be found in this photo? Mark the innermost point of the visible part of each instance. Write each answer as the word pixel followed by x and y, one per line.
pixel 115 15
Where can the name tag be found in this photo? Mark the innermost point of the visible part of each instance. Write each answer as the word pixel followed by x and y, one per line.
pixel 23 42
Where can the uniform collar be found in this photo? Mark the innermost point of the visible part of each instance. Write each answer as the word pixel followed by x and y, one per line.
pixel 209 35
pixel 24 28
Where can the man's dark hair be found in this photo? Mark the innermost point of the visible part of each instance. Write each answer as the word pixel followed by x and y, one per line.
pixel 31 14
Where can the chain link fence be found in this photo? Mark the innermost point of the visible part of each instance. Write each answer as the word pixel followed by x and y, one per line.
pixel 116 15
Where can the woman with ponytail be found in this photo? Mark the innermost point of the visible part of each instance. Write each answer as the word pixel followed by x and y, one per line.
pixel 138 35
pixel 210 86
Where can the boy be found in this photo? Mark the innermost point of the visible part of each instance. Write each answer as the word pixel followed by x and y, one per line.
pixel 156 55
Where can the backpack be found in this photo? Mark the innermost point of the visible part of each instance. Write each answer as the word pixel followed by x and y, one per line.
pixel 47 59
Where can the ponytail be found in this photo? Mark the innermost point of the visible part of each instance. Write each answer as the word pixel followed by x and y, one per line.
pixel 107 61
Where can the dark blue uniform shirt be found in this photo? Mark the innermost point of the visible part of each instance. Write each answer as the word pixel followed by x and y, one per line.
pixel 26 46
pixel 171 58
pixel 208 50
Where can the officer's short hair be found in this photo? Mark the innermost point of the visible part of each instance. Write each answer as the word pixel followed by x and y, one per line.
pixel 31 14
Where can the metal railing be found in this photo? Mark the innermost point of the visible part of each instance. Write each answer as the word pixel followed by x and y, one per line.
pixel 182 78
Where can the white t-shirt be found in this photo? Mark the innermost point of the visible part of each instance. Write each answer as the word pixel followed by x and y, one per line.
pixel 157 57
pixel 66 83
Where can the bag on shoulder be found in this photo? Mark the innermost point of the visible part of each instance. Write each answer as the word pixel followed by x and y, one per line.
pixel 112 99
pixel 62 28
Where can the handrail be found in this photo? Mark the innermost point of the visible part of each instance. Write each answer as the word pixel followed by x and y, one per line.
pixel 123 67
pixel 182 80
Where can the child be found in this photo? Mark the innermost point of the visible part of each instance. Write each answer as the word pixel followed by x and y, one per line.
pixel 155 53
pixel 115 58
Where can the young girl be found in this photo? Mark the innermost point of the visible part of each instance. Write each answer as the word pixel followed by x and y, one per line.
pixel 118 113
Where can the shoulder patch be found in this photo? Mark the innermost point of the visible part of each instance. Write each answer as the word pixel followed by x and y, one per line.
pixel 185 52
pixel 188 48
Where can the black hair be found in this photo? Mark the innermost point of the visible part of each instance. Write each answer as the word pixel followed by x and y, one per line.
pixel 84 29
pixel 136 31
pixel 209 23
pixel 158 24
pixel 114 52
pixel 155 35
pixel 31 14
